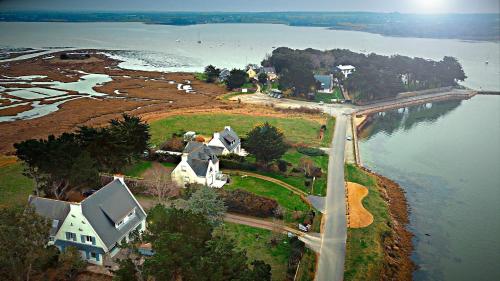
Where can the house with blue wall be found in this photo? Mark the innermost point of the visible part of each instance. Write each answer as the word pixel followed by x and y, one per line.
pixel 97 225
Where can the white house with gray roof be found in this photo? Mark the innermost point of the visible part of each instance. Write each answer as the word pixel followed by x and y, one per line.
pixel 226 142
pixel 96 225
pixel 199 165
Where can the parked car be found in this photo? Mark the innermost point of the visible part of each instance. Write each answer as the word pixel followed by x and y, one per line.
pixel 349 138
pixel 303 228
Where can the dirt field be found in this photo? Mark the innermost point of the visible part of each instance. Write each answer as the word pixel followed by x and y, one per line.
pixel 139 93
pixel 358 215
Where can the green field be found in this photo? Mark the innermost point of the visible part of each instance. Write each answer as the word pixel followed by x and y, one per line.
pixel 285 198
pixel 255 242
pixel 327 98
pixel 14 186
pixel 365 253
pixel 297 130
pixel 137 168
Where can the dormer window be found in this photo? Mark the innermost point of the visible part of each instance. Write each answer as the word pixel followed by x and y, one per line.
pixel 127 217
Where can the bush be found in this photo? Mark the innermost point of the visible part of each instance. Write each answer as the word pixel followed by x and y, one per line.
pixel 164 158
pixel 233 157
pixel 235 165
pixel 199 139
pixel 244 202
pixel 283 165
pixel 173 144
pixel 310 151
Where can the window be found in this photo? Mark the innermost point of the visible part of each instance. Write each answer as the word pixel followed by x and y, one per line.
pixel 183 168
pixel 119 223
pixel 70 236
pixel 93 255
pixel 88 239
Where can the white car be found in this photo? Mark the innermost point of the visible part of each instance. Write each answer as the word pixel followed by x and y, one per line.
pixel 321 103
pixel 349 138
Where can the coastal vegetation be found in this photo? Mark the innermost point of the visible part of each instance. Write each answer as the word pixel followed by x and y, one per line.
pixel 365 246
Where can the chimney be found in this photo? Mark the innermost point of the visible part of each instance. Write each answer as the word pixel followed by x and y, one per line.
pixel 184 157
pixel 119 177
pixel 216 136
pixel 227 128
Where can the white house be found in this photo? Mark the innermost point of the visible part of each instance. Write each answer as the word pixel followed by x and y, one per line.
pixel 226 142
pixel 96 225
pixel 199 165
pixel 346 69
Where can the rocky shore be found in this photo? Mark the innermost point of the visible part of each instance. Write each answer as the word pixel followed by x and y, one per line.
pixel 398 246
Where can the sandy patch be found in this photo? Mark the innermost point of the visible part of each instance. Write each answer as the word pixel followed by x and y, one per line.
pixel 358 215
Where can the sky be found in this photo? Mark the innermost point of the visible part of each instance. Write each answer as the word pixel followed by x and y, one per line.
pixel 402 6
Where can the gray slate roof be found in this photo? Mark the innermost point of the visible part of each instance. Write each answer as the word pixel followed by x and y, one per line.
pixel 50 209
pixel 229 138
pixel 199 156
pixel 268 70
pixel 108 206
pixel 325 80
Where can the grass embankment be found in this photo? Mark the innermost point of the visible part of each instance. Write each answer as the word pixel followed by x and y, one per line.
pixel 285 198
pixel 307 267
pixel 365 252
pixel 327 98
pixel 297 130
pixel 255 242
pixel 14 186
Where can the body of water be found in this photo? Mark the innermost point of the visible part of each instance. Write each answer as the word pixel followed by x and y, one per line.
pixel 446 156
pixel 175 48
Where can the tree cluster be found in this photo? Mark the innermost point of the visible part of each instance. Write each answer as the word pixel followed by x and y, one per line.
pixel 185 248
pixel 236 79
pixel 247 203
pixel 211 73
pixel 376 76
pixel 74 160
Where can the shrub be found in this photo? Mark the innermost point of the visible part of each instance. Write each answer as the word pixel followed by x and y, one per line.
pixel 235 165
pixel 310 151
pixel 173 144
pixel 199 139
pixel 283 165
pixel 233 157
pixel 244 202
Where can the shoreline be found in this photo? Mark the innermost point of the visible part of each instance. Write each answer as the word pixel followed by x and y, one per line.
pixel 398 247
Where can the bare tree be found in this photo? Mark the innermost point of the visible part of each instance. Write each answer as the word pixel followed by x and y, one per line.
pixel 160 184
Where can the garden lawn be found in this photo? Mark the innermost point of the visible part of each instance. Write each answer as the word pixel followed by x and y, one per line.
pixel 327 98
pixel 14 186
pixel 297 130
pixel 255 242
pixel 365 253
pixel 137 169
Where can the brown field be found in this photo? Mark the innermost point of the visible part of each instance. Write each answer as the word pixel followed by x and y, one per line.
pixel 144 93
pixel 358 215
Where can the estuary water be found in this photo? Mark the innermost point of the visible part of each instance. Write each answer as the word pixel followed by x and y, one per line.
pixel 176 48
pixel 446 156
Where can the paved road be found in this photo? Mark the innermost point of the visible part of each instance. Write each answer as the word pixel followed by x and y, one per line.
pixel 332 253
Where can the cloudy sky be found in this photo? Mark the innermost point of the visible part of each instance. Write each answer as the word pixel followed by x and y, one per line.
pixel 404 6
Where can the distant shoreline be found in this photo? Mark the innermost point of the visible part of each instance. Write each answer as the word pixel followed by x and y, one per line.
pixel 469 27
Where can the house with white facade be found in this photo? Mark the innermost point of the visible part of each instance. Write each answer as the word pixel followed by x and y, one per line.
pixel 226 142
pixel 346 70
pixel 96 225
pixel 326 83
pixel 199 165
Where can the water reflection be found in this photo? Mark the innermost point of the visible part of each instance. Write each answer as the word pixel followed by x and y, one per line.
pixel 407 118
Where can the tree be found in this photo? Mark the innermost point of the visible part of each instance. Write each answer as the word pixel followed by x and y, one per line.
pixel 160 185
pixel 127 271
pixel 307 165
pixel 23 237
pixel 205 201
pixel 266 142
pixel 262 78
pixel 173 144
pixel 69 264
pixel 211 73
pixel 132 134
pixel 260 271
pixel 236 79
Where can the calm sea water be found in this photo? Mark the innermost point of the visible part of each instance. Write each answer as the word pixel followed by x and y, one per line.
pixel 234 45
pixel 447 159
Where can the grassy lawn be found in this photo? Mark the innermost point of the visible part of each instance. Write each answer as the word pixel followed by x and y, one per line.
pixel 200 76
pixel 297 130
pixel 255 242
pixel 364 256
pixel 285 198
pixel 328 137
pixel 14 186
pixel 327 98
pixel 319 187
pixel 137 168
pixel 307 267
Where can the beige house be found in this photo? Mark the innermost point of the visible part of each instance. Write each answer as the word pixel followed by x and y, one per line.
pixel 199 165
pixel 226 142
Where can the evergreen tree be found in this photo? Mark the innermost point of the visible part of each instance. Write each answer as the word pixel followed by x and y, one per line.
pixel 266 142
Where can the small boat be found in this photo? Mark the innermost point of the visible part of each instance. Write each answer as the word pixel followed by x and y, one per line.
pixel 177 40
pixel 486 62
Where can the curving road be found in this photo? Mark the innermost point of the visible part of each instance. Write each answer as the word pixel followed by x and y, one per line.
pixel 332 253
